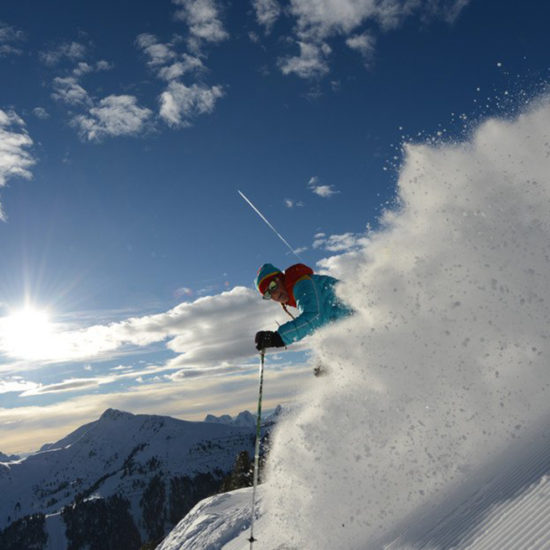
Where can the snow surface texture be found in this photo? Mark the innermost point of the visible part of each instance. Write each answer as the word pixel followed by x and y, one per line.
pixel 222 521
pixel 446 361
pixel 506 510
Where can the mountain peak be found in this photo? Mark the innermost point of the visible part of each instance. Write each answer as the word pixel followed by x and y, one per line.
pixel 114 414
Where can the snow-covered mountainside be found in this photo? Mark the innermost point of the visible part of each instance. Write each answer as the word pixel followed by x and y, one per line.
pixel 505 506
pixel 8 458
pixel 221 521
pixel 159 465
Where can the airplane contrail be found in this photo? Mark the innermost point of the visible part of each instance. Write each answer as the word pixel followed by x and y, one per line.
pixel 267 222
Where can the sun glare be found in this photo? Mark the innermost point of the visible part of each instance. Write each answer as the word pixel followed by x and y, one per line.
pixel 25 331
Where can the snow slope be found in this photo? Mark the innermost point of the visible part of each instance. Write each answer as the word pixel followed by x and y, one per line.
pixel 222 521
pixel 506 506
pixel 503 506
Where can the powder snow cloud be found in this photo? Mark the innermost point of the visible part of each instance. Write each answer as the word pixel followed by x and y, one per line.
pixel 446 360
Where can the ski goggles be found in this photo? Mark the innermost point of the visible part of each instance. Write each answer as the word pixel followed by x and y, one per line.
pixel 270 288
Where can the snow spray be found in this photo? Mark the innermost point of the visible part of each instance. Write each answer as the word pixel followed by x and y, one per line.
pixel 446 362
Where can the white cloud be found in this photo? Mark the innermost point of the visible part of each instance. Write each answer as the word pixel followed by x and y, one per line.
pixel 73 51
pixel 114 115
pixel 448 10
pixel 325 191
pixel 41 113
pixel 103 65
pixel 344 242
pixel 83 67
pixel 164 59
pixel 311 63
pixel 158 53
pixel 73 384
pixel 180 104
pixel 191 329
pixel 317 22
pixel 69 91
pixel 267 12
pixel 291 203
pixel 203 20
pixel 188 63
pixel 15 384
pixel 363 43
pixel 15 159
pixel 10 37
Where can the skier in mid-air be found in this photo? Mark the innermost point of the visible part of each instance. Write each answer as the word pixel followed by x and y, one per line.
pixel 298 287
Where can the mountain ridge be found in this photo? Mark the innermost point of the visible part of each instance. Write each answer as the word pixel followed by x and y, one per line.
pixel 128 456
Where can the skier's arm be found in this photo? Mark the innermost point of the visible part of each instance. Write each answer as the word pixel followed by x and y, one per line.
pixel 308 297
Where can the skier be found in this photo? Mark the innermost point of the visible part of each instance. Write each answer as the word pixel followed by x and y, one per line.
pixel 298 287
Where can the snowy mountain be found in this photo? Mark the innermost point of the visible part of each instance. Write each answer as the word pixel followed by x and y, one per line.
pixel 8 458
pixel 146 471
pixel 505 505
pixel 245 419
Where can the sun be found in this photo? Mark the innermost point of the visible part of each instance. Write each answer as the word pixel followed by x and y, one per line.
pixel 25 331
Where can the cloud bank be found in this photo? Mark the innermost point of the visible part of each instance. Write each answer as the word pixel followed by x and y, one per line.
pixel 445 362
pixel 191 330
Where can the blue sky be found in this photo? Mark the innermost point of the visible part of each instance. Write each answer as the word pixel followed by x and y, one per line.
pixel 126 130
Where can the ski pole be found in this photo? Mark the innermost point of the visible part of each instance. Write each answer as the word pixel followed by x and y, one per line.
pixel 257 448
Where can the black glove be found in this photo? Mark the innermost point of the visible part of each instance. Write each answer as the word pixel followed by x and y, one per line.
pixel 268 339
